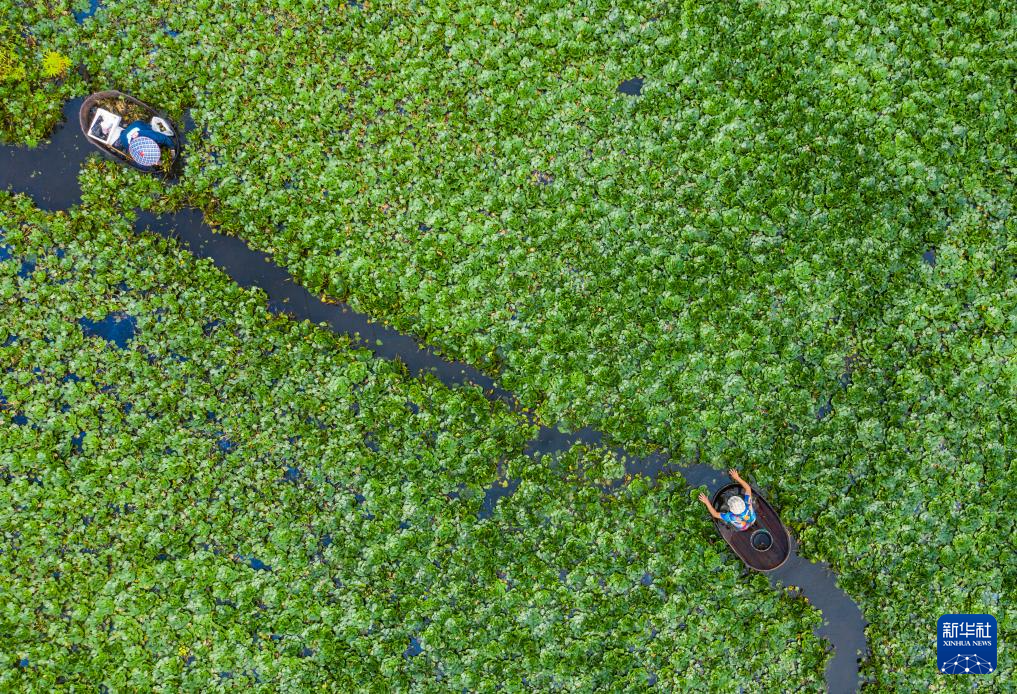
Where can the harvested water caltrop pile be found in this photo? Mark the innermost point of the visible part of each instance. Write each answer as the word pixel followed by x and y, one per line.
pixel 776 236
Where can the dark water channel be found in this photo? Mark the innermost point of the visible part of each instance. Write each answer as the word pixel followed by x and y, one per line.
pixel 48 174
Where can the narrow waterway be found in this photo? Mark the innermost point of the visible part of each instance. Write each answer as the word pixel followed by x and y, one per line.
pixel 48 174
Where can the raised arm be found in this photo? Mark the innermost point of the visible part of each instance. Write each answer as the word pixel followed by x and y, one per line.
pixel 738 478
pixel 709 506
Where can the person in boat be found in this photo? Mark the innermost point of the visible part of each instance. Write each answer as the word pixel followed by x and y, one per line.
pixel 739 513
pixel 142 142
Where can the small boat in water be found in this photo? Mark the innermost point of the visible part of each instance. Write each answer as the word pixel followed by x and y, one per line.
pixel 766 545
pixel 104 115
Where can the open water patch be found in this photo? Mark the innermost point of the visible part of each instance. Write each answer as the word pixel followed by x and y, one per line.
pixel 93 7
pixel 28 266
pixel 500 489
pixel 118 328
pixel 824 410
pixel 226 446
pixel 414 649
pixel 552 440
pixel 18 417
pixel 257 564
pixel 631 87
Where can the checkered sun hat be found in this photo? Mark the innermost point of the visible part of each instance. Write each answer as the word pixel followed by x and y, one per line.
pixel 144 151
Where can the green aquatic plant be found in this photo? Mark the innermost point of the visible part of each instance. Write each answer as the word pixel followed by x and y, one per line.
pixel 230 498
pixel 55 64
pixel 791 252
pixel 34 69
pixel 12 67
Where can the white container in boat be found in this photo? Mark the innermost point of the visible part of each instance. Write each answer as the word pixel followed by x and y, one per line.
pixel 161 126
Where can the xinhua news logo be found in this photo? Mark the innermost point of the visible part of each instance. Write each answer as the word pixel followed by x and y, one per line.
pixel 966 644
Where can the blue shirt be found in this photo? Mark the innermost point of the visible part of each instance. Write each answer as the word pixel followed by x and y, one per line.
pixel 742 520
pixel 144 129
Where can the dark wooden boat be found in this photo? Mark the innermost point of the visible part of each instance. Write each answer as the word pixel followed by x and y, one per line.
pixel 766 545
pixel 128 109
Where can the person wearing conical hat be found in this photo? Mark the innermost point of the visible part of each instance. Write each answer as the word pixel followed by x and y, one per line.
pixel 739 513
pixel 141 141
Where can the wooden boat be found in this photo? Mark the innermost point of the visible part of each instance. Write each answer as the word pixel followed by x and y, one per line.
pixel 102 117
pixel 765 545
